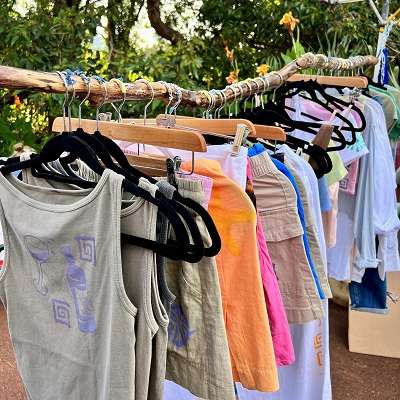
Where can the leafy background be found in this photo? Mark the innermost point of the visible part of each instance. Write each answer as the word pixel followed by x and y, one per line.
pixel 197 44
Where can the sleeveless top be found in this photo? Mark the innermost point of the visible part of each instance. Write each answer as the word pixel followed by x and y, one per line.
pixel 70 319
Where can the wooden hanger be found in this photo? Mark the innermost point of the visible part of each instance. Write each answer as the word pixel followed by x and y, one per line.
pixel 223 126
pixel 149 164
pixel 152 135
pixel 343 81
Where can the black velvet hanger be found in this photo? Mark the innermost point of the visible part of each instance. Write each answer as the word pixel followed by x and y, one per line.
pixel 317 153
pixel 102 144
pixel 134 173
pixel 375 84
pixel 291 89
pixel 66 143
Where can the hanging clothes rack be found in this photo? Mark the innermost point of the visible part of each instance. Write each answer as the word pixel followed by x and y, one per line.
pixel 50 82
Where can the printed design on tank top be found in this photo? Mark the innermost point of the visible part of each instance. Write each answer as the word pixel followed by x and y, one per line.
pixel 76 278
pixel 62 312
pixel 179 332
pixel 87 248
pixel 40 252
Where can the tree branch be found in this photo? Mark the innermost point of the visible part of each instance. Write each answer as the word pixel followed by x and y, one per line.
pixel 165 31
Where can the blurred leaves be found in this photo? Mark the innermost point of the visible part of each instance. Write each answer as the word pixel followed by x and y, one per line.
pixel 220 37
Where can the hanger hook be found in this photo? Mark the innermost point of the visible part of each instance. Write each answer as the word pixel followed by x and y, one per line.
pixel 103 84
pixel 233 88
pixel 225 102
pixel 170 96
pixel 122 87
pixel 66 95
pixel 70 81
pixel 281 81
pixel 86 80
pixel 257 96
pixel 149 85
pixel 179 100
pixel 207 94
pixel 179 96
pixel 217 113
pixel 210 96
pixel 214 93
pixel 250 94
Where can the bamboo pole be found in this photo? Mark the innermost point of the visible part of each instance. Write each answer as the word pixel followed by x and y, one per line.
pixel 51 82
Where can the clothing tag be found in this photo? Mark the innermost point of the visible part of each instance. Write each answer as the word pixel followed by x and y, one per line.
pixel 240 137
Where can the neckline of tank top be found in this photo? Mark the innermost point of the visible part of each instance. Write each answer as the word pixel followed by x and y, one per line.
pixel 14 185
pixel 134 204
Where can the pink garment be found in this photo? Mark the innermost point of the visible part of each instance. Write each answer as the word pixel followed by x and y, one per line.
pixel 280 331
pixel 206 183
pixel 349 183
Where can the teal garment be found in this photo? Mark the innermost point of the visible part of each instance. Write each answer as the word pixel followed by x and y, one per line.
pixel 395 94
pixel 391 107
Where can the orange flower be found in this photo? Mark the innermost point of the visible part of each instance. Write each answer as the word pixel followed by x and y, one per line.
pixel 229 54
pixel 263 69
pixel 17 101
pixel 289 21
pixel 233 77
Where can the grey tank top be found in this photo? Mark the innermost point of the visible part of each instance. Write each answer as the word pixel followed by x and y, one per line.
pixel 70 319
pixel 138 217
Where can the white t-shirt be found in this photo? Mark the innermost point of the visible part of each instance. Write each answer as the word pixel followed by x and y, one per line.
pixel 309 377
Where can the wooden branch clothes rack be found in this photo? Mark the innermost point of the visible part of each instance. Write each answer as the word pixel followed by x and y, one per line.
pixel 16 78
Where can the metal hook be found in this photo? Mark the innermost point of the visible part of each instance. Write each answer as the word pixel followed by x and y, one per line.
pixel 257 95
pixel 66 94
pixel 170 96
pixel 281 81
pixel 250 94
pixel 230 104
pixel 210 104
pixel 218 108
pixel 87 81
pixel 214 93
pixel 151 100
pixel 265 82
pixel 70 103
pixel 207 94
pixel 179 96
pixel 122 87
pixel 103 83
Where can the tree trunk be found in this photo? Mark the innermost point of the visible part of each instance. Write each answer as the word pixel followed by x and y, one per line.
pixel 165 31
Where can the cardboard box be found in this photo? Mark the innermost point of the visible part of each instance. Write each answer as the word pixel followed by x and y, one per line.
pixel 374 333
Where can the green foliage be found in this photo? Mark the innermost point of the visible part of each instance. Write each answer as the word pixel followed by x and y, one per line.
pixel 55 35
pixel 18 125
